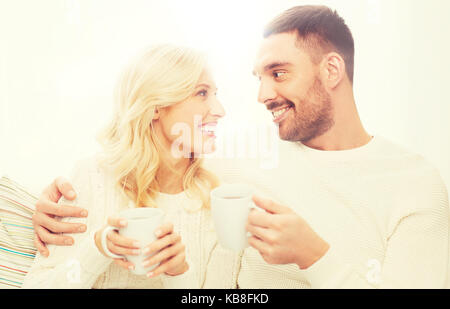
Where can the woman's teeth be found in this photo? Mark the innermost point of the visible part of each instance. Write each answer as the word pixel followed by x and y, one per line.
pixel 209 130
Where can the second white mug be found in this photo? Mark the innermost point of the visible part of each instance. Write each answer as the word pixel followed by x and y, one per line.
pixel 230 207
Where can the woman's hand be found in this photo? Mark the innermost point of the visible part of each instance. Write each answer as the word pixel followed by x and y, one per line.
pixel 117 243
pixel 168 250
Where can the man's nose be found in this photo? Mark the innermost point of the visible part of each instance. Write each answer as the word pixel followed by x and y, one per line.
pixel 266 93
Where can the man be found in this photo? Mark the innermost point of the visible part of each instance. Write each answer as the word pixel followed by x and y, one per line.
pixel 347 210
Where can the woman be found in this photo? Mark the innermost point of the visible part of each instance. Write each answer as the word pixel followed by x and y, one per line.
pixel 166 113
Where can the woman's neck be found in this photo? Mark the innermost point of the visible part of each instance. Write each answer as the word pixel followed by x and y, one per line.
pixel 171 171
pixel 170 175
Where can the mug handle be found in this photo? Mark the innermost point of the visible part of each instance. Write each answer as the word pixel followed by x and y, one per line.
pixel 105 247
pixel 253 206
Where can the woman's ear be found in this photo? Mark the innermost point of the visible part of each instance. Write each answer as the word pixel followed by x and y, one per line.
pixel 156 114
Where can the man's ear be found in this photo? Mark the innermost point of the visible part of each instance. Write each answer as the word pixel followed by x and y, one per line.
pixel 333 70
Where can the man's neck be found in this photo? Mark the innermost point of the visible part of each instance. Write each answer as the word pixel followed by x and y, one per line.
pixel 347 131
pixel 334 141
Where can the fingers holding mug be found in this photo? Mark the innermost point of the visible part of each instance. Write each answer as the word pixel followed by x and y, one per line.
pixel 163 248
pixel 120 245
pixel 124 263
pixel 119 238
pixel 117 222
pixel 111 244
pixel 167 253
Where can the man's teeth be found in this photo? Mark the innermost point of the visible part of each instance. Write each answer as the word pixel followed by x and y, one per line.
pixel 280 112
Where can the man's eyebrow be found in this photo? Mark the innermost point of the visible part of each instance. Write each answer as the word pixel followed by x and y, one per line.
pixel 274 65
pixel 271 66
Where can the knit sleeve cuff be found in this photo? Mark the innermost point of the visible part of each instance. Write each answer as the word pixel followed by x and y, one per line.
pixel 92 261
pixel 328 271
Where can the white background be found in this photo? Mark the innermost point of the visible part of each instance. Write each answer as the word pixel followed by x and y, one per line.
pixel 59 61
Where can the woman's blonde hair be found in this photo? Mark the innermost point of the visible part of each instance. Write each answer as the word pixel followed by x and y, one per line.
pixel 162 76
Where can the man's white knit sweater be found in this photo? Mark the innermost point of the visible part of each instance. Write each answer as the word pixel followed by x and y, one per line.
pixel 383 210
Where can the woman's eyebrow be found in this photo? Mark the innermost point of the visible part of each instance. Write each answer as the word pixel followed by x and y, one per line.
pixel 203 85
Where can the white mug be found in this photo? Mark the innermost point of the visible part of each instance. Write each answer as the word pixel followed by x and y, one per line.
pixel 230 207
pixel 141 225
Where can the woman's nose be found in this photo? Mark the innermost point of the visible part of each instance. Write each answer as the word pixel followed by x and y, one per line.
pixel 217 109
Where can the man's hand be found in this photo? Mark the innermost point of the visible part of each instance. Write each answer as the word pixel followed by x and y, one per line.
pixel 46 227
pixel 283 237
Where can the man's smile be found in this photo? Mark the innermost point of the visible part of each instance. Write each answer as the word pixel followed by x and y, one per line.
pixel 280 112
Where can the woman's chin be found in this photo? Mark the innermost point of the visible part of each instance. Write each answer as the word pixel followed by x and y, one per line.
pixel 209 147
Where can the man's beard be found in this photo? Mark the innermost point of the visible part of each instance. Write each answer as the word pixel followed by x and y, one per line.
pixel 312 117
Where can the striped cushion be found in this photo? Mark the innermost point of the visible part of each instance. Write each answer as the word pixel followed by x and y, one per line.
pixel 17 249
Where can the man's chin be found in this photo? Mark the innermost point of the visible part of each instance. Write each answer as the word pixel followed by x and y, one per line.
pixel 287 137
pixel 293 137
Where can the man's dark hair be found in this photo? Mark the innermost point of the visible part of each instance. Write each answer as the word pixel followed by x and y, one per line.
pixel 320 30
